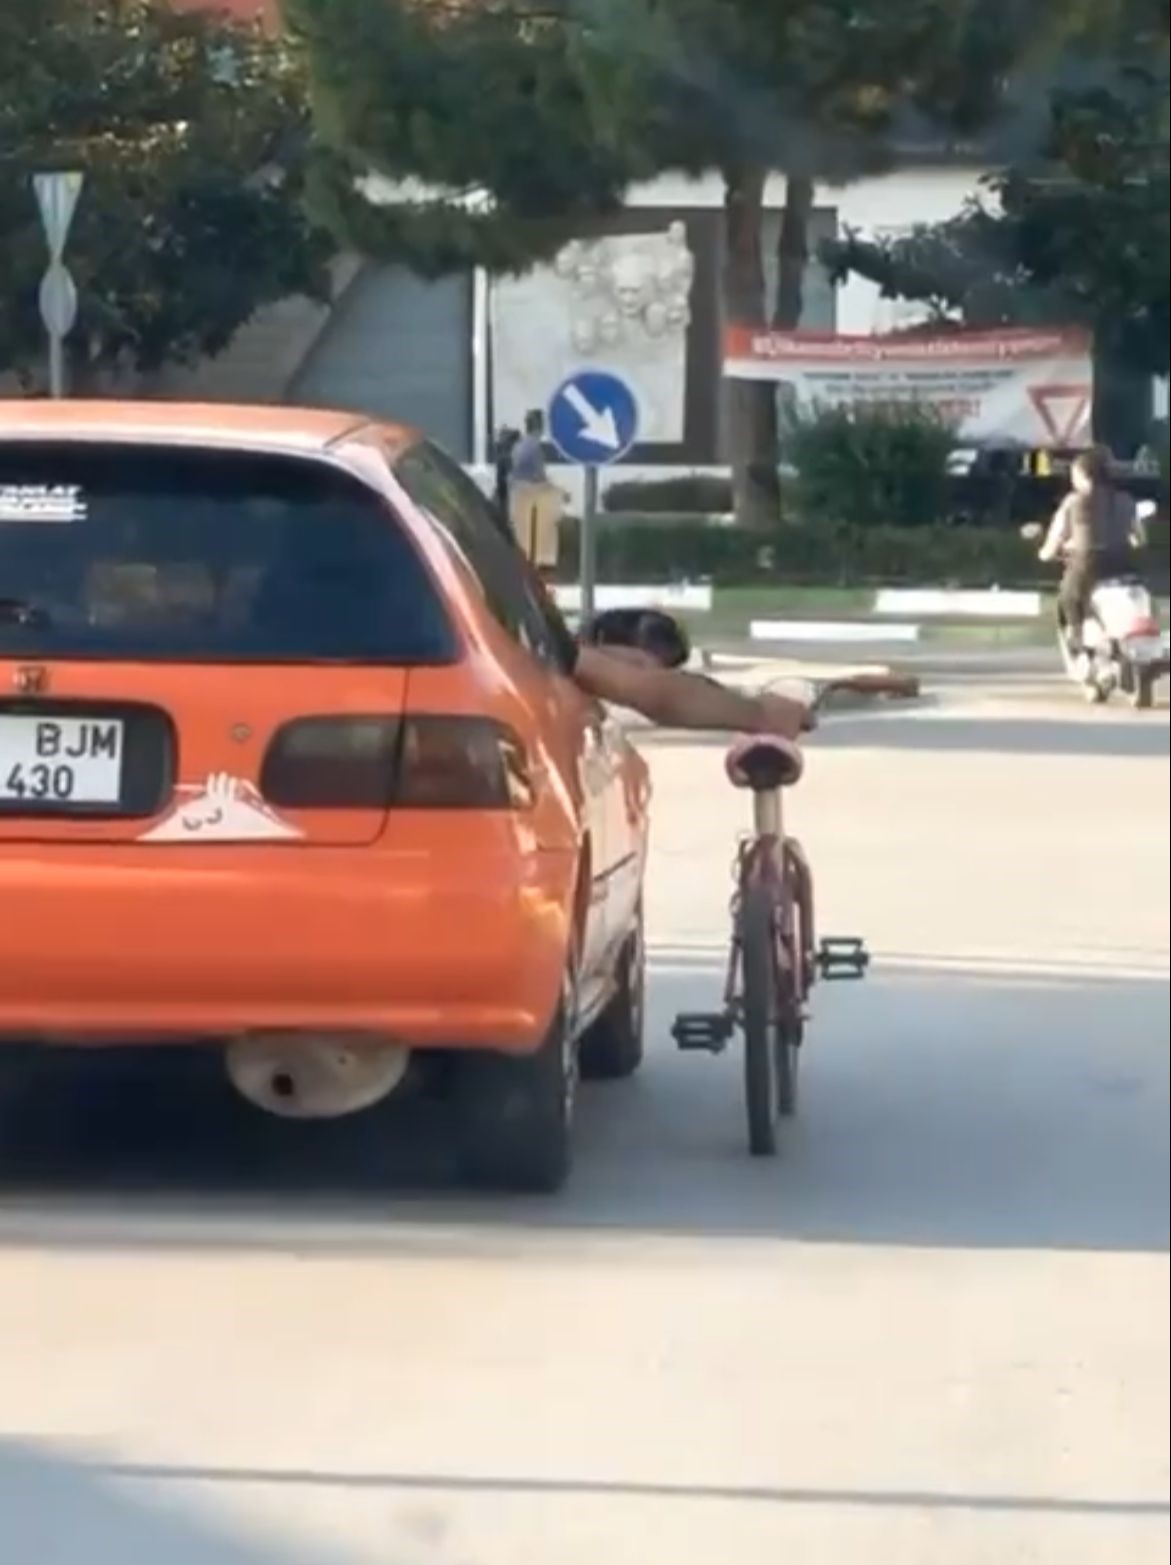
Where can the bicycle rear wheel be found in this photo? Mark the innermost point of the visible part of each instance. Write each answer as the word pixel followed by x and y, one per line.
pixel 768 1084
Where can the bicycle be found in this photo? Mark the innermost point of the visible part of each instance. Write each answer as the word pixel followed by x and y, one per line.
pixel 775 957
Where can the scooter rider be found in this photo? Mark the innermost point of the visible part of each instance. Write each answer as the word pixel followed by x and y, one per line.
pixel 1095 531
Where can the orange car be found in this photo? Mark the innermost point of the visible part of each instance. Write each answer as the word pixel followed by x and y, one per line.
pixel 289 759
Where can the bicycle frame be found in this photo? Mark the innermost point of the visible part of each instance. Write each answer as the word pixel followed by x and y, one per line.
pixel 770 856
pixel 770 859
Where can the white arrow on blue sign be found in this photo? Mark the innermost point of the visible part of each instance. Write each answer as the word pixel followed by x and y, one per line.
pixel 593 418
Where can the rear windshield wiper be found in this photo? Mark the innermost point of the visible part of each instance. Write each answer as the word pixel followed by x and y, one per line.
pixel 20 611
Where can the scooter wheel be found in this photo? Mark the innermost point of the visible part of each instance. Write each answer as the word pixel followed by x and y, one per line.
pixel 1142 692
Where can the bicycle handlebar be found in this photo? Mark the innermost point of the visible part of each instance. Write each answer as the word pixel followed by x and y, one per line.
pixel 871 683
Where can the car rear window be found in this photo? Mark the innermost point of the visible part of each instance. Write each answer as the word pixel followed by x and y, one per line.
pixel 135 552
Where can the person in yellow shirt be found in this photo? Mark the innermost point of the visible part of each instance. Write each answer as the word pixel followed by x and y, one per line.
pixel 534 504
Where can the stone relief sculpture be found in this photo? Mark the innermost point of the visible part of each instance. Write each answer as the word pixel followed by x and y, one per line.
pixel 627 288
pixel 622 303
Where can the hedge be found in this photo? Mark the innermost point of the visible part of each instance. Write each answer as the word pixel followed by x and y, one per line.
pixel 692 549
pixel 698 494
pixel 983 498
pixel 689 548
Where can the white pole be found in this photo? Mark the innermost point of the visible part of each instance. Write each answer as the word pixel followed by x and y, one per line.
pixel 588 545
pixel 481 434
pixel 56 365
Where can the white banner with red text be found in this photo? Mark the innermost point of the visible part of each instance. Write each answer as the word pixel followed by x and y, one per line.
pixel 1034 388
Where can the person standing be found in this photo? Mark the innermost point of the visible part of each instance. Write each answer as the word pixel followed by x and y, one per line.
pixel 534 503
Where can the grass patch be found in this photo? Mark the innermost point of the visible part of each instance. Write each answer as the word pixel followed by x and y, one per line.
pixel 734 609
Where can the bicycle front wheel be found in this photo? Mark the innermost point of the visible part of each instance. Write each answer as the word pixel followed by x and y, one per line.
pixel 765 1092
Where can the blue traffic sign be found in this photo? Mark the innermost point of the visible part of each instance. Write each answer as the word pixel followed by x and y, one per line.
pixel 593 418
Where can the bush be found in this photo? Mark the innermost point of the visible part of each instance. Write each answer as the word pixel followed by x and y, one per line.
pixel 936 556
pixel 870 464
pixel 698 494
pixel 686 548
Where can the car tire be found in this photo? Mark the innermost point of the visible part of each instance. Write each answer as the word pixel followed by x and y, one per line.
pixel 612 1048
pixel 514 1113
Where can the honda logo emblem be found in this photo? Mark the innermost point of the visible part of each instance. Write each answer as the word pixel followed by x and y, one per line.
pixel 31 680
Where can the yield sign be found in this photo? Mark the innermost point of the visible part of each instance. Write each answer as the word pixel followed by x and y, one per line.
pixel 57 198
pixel 1064 409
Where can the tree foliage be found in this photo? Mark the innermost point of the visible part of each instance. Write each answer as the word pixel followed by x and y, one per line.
pixel 522 118
pixel 1075 230
pixel 191 132
pixel 486 116
pixel 519 121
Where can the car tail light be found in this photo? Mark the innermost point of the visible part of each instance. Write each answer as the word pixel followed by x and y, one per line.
pixel 418 762
pixel 332 763
pixel 461 763
pixel 1143 626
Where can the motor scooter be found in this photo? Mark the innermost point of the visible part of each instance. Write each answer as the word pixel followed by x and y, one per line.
pixel 1122 646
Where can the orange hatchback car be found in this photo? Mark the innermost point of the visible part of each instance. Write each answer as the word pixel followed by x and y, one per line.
pixel 289 760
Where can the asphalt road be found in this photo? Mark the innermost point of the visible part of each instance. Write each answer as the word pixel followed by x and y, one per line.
pixel 936 1330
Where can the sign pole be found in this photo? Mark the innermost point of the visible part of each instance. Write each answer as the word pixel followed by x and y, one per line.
pixel 56 364
pixel 587 544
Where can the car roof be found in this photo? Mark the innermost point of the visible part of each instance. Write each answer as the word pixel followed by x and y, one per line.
pixel 225 426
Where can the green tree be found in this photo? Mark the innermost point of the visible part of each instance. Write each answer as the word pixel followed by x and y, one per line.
pixel 502 137
pixel 821 91
pixel 192 133
pixel 1076 231
pixel 530 117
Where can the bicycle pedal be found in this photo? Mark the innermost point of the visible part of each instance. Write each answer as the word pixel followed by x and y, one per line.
pixel 841 960
pixel 703 1033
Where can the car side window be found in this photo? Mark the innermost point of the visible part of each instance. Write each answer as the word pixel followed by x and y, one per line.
pixel 443 489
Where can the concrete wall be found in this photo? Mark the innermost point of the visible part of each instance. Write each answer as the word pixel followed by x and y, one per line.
pixel 390 345
pixel 399 348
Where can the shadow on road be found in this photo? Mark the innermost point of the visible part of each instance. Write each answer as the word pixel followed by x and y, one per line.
pixel 56 1511
pixel 942 1110
pixel 452 1484
pixel 1111 734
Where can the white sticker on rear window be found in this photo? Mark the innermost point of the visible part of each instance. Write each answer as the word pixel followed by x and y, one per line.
pixel 42 503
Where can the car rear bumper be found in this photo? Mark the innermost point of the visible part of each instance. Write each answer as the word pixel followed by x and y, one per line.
pixel 124 944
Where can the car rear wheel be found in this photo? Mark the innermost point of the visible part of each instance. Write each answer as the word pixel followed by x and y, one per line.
pixel 612 1049
pixel 515 1113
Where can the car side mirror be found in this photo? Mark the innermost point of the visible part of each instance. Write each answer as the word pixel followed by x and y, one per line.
pixel 651 631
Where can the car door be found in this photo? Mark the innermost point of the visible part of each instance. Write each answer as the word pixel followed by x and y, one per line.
pixel 575 722
pixel 627 807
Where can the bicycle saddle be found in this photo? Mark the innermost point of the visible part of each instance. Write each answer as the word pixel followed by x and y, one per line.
pixel 763 762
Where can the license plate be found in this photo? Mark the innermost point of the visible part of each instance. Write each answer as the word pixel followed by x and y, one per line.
pixel 62 761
